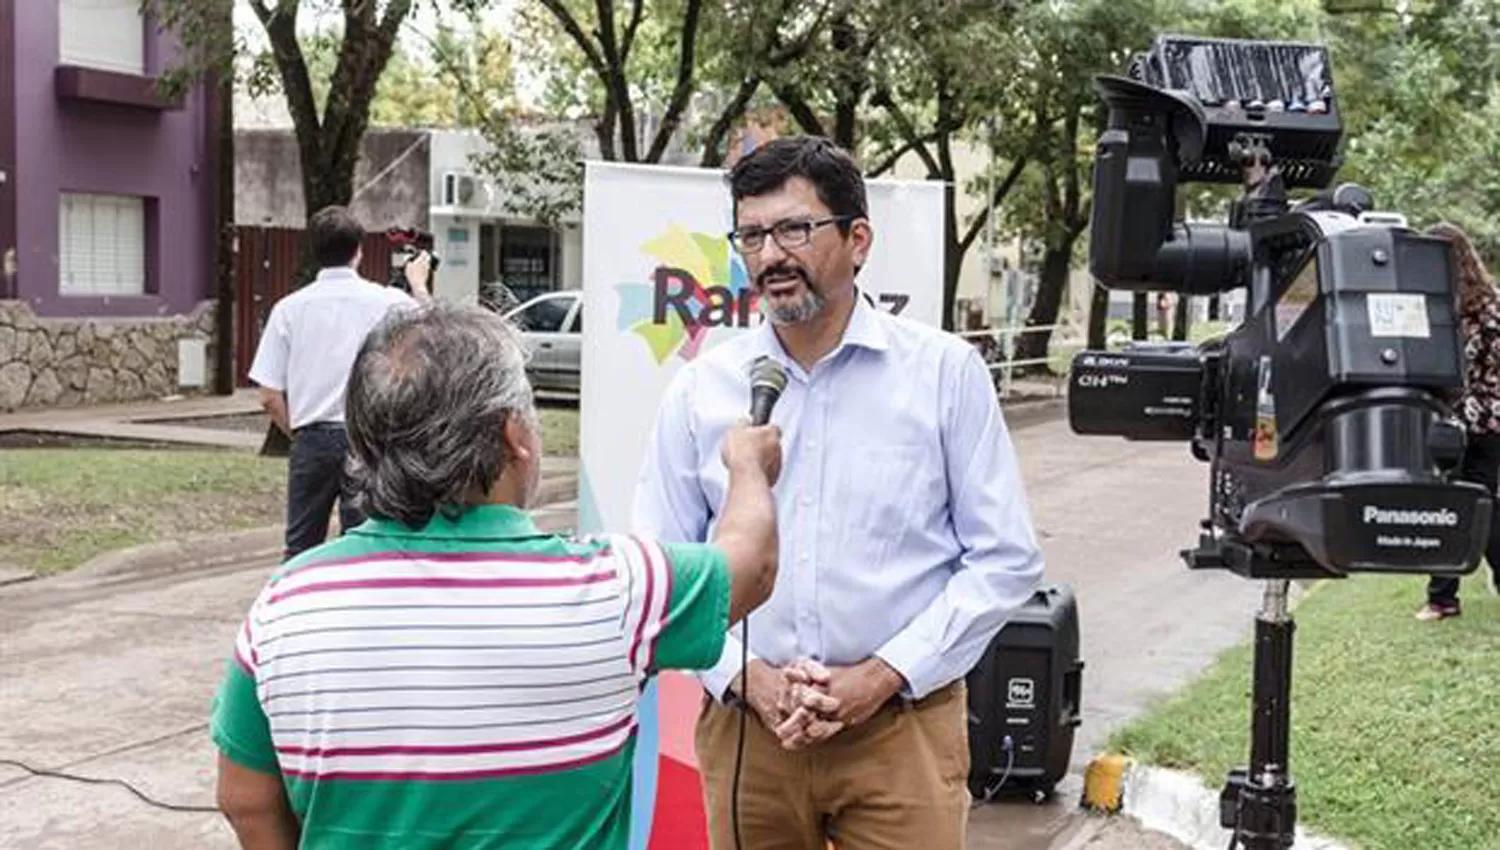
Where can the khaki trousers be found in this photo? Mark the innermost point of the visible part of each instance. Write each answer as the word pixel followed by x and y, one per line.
pixel 895 782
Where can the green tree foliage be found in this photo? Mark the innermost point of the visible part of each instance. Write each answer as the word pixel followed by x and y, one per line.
pixel 329 132
pixel 1422 93
pixel 891 79
pixel 1065 46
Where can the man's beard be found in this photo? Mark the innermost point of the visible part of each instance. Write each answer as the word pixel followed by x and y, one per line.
pixel 803 309
pixel 806 307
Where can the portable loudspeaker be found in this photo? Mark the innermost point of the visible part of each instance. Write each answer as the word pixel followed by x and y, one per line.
pixel 1025 699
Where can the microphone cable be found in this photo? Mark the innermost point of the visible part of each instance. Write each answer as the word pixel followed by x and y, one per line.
pixel 739 750
pixel 97 780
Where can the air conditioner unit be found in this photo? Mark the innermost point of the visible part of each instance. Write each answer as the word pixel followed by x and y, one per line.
pixel 459 190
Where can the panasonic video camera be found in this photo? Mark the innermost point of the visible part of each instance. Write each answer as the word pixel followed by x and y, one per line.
pixel 406 242
pixel 1324 415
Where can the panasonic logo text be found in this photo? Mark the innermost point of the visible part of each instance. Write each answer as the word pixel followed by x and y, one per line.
pixel 1388 516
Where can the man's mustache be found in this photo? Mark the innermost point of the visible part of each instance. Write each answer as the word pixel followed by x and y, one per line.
pixel 781 271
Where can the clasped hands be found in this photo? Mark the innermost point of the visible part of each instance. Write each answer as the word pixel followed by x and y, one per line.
pixel 805 702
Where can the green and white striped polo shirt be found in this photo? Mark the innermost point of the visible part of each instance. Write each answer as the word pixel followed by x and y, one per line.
pixel 472 684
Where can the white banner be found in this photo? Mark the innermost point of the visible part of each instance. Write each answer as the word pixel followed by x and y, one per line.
pixel 661 284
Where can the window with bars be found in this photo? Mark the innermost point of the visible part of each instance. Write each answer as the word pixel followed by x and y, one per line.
pixel 101 245
pixel 106 34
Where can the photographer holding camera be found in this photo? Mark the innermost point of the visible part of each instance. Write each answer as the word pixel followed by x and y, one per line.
pixel 302 366
pixel 1478 406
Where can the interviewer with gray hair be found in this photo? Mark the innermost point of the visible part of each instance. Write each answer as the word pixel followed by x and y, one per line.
pixel 447 674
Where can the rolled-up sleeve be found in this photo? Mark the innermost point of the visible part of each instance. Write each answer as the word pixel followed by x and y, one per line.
pixel 1000 566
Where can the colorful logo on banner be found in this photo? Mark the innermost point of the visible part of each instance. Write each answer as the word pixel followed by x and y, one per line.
pixel 698 284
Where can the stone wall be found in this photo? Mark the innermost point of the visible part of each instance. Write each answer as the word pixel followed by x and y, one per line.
pixel 64 362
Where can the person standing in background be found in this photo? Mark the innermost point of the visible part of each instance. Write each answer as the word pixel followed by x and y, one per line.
pixel 1478 406
pixel 302 367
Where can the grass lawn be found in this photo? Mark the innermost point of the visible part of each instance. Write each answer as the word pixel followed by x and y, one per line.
pixel 60 507
pixel 1395 723
pixel 560 431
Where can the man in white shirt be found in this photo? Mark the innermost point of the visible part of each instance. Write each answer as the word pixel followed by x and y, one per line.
pixel 302 366
pixel 905 538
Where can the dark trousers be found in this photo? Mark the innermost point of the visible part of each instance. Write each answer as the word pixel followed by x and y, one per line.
pixel 1481 465
pixel 315 480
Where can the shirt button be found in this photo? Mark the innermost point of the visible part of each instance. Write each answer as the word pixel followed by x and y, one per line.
pixel 806 500
pixel 812 444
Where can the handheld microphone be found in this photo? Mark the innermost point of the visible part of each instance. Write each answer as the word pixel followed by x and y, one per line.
pixel 767 380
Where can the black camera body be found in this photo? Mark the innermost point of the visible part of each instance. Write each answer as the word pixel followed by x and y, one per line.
pixel 1325 415
pixel 407 242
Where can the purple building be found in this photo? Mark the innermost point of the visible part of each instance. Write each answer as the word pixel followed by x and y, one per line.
pixel 107 199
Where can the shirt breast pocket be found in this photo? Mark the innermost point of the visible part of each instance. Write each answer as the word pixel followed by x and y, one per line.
pixel 892 491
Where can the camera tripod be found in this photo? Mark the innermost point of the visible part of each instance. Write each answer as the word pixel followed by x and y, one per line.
pixel 1259 803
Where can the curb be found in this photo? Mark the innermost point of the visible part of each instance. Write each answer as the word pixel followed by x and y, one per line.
pixel 1171 802
pixel 184 554
pixel 14 575
pixel 205 551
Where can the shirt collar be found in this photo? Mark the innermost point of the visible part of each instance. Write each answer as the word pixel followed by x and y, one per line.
pixel 866 329
pixel 494 522
pixel 338 273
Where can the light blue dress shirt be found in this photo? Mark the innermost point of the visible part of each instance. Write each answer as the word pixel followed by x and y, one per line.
pixel 903 525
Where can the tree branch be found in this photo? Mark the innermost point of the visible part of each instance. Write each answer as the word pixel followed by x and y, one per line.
pixel 363 55
pixel 895 156
pixel 1072 196
pixel 605 31
pixel 684 88
pixel 883 99
pixel 365 51
pixel 615 81
pixel 281 28
pixel 362 10
pixel 1016 169
pixel 636 8
pixel 395 14
pixel 604 129
pixel 798 48
pixel 1330 7
pixel 1083 219
pixel 580 38
pixel 712 156
pixel 792 98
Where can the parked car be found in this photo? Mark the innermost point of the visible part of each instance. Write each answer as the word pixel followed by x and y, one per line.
pixel 553 327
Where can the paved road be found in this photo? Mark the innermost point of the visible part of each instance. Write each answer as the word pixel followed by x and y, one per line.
pixel 115 680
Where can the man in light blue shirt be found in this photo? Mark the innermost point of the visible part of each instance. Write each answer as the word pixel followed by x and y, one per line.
pixel 905 539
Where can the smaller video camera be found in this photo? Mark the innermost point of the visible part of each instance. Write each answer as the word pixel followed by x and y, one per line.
pixel 406 243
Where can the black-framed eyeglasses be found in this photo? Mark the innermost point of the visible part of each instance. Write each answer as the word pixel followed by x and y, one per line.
pixel 792 233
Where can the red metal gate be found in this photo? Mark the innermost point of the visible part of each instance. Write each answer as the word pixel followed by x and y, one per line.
pixel 265 265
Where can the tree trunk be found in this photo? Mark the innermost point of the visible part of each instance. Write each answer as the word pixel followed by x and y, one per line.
pixel 1140 315
pixel 953 256
pixel 1099 318
pixel 1180 319
pixel 1213 308
pixel 851 86
pixel 1056 263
